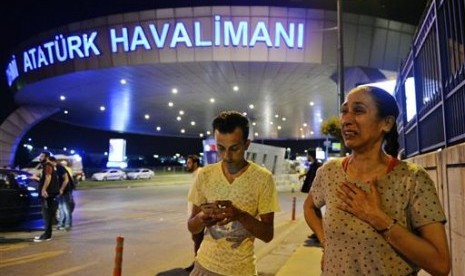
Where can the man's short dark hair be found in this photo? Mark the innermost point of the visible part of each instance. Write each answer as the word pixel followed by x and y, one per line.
pixel 52 158
pixel 194 158
pixel 228 121
pixel 46 153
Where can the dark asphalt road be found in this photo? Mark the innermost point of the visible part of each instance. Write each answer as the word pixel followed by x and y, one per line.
pixel 152 220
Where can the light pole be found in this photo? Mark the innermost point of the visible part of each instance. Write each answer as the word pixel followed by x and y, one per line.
pixel 340 54
pixel 340 64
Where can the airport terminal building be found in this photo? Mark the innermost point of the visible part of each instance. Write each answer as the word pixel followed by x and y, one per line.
pixel 135 72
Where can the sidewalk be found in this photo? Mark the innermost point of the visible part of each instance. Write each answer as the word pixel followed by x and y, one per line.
pixel 304 261
pixel 306 257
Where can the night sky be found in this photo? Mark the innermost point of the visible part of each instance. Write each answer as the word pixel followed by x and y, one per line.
pixel 20 20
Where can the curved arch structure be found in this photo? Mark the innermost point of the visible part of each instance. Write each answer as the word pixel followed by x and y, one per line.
pixel 120 72
pixel 16 125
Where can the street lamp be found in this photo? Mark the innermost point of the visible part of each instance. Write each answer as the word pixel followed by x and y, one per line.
pixel 340 52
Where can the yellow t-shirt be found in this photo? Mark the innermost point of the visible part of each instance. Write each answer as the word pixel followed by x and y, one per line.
pixel 229 249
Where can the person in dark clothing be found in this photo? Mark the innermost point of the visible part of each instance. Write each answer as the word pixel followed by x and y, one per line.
pixel 311 173
pixel 48 190
pixel 65 198
pixel 308 180
pixel 193 166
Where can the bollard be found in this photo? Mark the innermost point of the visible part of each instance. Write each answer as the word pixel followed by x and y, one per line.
pixel 293 208
pixel 118 256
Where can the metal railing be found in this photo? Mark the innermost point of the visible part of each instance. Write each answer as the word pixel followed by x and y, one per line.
pixel 436 65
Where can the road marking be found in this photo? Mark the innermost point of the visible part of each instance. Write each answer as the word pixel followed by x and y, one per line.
pixel 30 258
pixel 13 246
pixel 69 271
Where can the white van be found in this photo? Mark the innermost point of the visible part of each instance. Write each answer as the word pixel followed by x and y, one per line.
pixel 73 161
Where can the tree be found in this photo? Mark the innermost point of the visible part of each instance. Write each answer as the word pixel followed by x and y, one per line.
pixel 332 127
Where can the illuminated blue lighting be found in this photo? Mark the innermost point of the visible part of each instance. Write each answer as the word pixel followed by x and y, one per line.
pixel 12 71
pixel 120 109
pixel 61 49
pixel 147 36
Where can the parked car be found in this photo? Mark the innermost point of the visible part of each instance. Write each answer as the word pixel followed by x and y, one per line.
pixel 141 173
pixel 109 174
pixel 19 197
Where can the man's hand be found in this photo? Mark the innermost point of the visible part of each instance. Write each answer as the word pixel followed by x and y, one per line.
pixel 226 212
pixel 207 215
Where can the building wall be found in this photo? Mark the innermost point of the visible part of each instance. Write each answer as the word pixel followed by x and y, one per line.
pixel 447 169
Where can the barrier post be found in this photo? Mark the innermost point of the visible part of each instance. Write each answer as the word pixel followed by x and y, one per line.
pixel 118 256
pixel 293 208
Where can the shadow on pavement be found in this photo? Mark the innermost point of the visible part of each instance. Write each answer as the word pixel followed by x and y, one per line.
pixel 4 240
pixel 25 226
pixel 173 272
pixel 312 243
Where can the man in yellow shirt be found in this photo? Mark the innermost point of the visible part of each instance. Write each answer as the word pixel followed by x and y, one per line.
pixel 235 200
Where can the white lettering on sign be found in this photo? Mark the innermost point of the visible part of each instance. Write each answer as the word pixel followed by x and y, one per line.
pixel 11 71
pixel 225 33
pixel 149 36
pixel 62 49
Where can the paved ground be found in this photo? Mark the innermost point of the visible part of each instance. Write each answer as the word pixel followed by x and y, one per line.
pixel 153 220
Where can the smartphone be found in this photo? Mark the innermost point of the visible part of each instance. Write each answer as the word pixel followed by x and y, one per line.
pixel 223 203
pixel 208 207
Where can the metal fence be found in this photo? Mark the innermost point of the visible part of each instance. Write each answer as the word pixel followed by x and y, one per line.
pixel 430 87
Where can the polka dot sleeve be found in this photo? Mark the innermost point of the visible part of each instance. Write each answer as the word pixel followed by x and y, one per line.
pixel 323 181
pixel 425 205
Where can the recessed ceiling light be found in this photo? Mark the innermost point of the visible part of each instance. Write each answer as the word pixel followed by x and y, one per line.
pixel 158 128
pixel 147 116
pixel 311 103
pixel 276 116
pixel 256 133
pixel 236 88
pixel 65 111
pixel 311 132
pixel 283 118
pixel 212 100
pixel 174 91
pixel 170 104
pixel 102 108
pixel 208 132
pixel 279 127
pixel 181 112
pixel 123 81
pixel 251 106
pixel 178 118
pixel 303 136
pixel 200 134
pixel 254 123
pixel 244 113
pixel 304 124
pixel 183 130
pixel 271 123
pixel 320 120
pixel 62 98
pixel 192 123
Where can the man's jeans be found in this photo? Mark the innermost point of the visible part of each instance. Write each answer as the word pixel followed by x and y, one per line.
pixel 49 209
pixel 64 209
